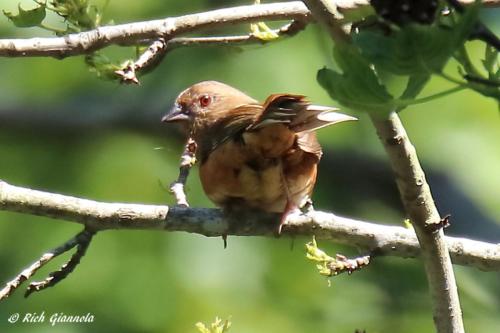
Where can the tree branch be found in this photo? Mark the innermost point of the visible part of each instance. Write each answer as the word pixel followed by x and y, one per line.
pixel 415 195
pixel 419 205
pixel 188 159
pixel 81 240
pixel 289 29
pixel 134 33
pixel 367 237
pixel 157 50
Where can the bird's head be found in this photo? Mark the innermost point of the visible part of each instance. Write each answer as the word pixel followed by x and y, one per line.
pixel 205 102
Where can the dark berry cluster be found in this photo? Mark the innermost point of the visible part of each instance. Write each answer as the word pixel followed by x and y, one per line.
pixel 401 12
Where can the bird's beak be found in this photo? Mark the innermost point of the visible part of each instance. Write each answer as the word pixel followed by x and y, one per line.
pixel 175 114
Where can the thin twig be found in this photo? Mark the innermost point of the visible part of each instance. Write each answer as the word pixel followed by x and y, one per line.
pixel 367 237
pixel 82 240
pixel 343 264
pixel 157 50
pixel 146 61
pixel 329 266
pixel 347 265
pixel 188 159
pixel 287 30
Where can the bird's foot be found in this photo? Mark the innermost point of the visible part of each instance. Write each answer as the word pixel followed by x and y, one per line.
pixel 290 209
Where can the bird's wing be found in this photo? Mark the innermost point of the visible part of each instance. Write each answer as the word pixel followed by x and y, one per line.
pixel 291 118
pixel 308 142
pixel 298 116
pixel 295 112
pixel 231 125
pixel 279 109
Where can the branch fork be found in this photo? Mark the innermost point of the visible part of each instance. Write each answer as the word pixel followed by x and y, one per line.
pixel 81 241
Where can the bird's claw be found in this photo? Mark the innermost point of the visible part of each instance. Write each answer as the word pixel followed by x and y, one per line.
pixel 290 210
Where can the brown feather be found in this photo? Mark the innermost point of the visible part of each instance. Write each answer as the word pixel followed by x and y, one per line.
pixel 308 142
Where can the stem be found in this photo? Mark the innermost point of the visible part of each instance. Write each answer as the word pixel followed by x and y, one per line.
pixel 406 102
pixel 452 79
pixel 52 29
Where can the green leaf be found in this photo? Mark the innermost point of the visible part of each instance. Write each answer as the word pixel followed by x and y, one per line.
pixel 415 85
pixel 27 18
pixel 381 50
pixel 358 86
pixel 491 62
pixel 417 49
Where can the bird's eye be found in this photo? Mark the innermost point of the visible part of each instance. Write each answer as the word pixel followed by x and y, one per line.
pixel 205 101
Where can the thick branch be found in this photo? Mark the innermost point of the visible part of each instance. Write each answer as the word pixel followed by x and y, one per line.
pixel 138 32
pixel 132 33
pixel 415 195
pixel 419 205
pixel 367 237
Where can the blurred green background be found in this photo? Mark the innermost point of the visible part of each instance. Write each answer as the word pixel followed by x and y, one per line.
pixel 63 130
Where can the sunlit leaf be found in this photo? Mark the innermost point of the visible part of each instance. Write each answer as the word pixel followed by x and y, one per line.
pixel 218 326
pixel 263 32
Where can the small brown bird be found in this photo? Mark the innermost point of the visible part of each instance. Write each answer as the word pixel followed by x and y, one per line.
pixel 254 155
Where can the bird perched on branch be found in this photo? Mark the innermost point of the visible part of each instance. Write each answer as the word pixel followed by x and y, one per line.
pixel 254 155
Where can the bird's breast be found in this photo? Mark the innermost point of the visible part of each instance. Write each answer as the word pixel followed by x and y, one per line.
pixel 239 173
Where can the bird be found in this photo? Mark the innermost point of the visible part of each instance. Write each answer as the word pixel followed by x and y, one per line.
pixel 254 155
